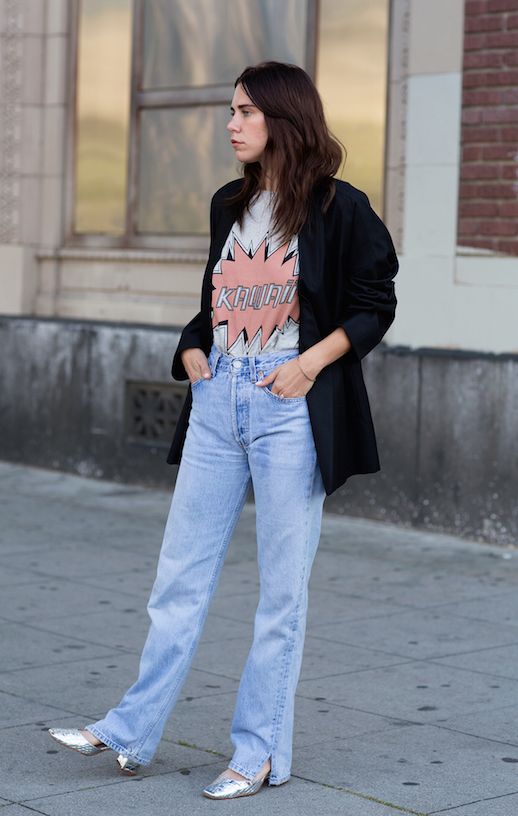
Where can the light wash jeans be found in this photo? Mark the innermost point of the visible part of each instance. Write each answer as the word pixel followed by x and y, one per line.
pixel 237 431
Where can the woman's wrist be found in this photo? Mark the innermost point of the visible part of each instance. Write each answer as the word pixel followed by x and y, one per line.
pixel 326 351
pixel 312 379
pixel 310 363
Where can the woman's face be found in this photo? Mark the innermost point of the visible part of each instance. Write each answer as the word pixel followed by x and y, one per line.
pixel 247 127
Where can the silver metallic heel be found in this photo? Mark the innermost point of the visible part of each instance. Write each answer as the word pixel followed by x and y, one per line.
pixel 224 787
pixel 72 738
pixel 127 765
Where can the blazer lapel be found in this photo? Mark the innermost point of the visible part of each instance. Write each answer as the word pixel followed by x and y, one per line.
pixel 226 219
pixel 311 251
pixel 224 222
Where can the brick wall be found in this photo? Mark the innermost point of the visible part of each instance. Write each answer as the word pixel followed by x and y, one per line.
pixel 488 202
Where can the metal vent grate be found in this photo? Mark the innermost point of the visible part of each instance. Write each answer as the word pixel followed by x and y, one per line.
pixel 152 411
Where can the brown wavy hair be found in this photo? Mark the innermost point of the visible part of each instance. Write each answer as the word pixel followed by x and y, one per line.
pixel 301 152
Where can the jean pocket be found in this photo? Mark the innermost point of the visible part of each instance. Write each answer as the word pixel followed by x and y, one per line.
pixel 211 366
pixel 281 399
pixel 203 379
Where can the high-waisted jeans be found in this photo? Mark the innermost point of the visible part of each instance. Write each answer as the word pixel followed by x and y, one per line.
pixel 237 431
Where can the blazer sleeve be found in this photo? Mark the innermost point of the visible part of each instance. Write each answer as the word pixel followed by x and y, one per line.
pixel 192 332
pixel 370 267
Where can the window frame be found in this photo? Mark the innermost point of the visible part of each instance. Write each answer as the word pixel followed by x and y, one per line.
pixel 140 100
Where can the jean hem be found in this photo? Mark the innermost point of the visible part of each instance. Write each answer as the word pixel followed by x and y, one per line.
pixel 245 771
pixel 115 745
pixel 278 781
pixel 235 766
pixel 272 780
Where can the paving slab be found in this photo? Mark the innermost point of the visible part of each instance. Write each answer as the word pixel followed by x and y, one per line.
pixel 19 810
pixel 420 691
pixel 125 631
pixel 18 710
pixel 26 647
pixel 497 661
pixel 71 561
pixel 498 724
pixel 135 583
pixel 496 806
pixel 419 633
pixel 14 577
pixel 55 598
pixel 409 586
pixel 501 607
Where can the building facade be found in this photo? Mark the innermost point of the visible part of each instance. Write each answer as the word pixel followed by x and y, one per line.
pixel 112 140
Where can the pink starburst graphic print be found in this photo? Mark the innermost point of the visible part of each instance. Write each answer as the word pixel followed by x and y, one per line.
pixel 255 293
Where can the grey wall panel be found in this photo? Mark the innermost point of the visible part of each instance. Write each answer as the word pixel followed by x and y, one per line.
pixel 392 382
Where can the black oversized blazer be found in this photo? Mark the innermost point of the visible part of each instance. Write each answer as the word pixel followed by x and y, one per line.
pixel 347 263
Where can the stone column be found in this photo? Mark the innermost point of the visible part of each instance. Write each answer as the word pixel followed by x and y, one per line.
pixel 33 72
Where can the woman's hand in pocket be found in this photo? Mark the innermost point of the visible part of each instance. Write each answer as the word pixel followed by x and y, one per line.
pixel 287 380
pixel 196 364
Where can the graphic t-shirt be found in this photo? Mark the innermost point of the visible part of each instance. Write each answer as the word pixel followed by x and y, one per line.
pixel 255 304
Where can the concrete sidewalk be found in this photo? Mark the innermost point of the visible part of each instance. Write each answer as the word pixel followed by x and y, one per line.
pixel 408 698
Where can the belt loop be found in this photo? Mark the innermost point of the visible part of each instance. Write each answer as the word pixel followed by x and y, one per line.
pixel 217 355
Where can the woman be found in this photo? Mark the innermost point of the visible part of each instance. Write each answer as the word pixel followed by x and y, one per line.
pixel 297 289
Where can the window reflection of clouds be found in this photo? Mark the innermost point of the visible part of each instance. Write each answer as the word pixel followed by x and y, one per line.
pixel 352 80
pixel 102 107
pixel 177 176
pixel 193 43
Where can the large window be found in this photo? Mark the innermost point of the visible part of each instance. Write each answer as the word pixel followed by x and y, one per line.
pixel 154 83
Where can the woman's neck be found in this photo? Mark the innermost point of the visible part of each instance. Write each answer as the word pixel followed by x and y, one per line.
pixel 268 184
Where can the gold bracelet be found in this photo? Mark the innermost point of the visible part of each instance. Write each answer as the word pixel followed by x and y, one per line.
pixel 308 378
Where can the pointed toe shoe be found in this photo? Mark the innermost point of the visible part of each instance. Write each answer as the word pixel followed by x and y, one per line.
pixel 224 787
pixel 72 738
